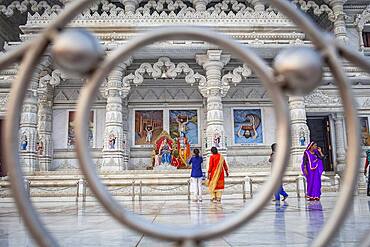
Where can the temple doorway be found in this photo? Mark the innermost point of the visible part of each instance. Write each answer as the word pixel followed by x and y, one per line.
pixel 320 132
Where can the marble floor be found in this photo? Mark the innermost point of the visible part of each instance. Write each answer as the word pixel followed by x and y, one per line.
pixel 293 223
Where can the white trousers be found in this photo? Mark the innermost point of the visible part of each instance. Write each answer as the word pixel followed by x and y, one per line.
pixel 196 187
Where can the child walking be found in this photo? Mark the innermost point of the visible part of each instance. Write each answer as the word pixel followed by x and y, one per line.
pixel 280 190
pixel 196 175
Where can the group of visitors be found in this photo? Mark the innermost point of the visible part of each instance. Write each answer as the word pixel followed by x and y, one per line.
pixel 217 168
pixel 312 168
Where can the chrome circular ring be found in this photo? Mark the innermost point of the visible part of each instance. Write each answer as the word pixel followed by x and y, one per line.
pixel 195 233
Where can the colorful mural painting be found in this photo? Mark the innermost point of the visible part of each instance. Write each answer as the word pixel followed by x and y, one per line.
pixel 148 126
pixel 184 123
pixel 71 139
pixel 248 126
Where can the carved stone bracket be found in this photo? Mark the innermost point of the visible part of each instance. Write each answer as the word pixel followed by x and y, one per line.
pixel 163 68
pixel 318 97
pixel 317 10
pixel 28 5
pixel 237 75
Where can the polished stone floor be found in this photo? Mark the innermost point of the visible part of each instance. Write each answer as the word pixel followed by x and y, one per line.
pixel 294 223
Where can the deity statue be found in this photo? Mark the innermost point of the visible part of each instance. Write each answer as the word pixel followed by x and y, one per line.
pixel 24 142
pixel 216 140
pixel 183 147
pixel 40 148
pixel 302 139
pixel 165 150
pixel 112 141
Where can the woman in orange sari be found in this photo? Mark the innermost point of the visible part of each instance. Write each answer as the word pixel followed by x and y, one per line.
pixel 216 169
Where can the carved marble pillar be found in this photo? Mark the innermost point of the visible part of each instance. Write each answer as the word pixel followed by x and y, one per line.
pixel 28 122
pixel 339 23
pixel 258 5
pixel 340 141
pixel 114 141
pixel 130 5
pixel 214 90
pixel 200 5
pixel 44 144
pixel 300 132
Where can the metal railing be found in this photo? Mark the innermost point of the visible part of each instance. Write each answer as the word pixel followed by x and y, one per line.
pixel 276 81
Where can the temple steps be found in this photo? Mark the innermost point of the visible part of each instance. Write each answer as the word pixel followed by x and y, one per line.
pixel 148 184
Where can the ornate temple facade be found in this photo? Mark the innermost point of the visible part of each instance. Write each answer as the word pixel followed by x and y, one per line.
pixel 188 88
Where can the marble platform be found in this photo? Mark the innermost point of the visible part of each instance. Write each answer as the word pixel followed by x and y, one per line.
pixel 294 223
pixel 171 184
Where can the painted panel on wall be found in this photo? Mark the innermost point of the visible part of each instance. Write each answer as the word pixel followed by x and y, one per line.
pixel 186 122
pixel 247 126
pixel 71 139
pixel 148 126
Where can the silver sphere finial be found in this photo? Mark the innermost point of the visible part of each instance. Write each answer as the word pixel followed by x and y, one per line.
pixel 77 51
pixel 298 70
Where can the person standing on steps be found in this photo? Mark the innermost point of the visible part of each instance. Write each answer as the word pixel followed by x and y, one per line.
pixel 216 169
pixel 280 190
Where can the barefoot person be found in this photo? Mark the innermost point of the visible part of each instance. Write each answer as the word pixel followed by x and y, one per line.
pixel 216 169
pixel 280 190
pixel 312 168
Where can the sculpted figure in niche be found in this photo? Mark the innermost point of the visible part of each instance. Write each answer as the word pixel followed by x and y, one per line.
pixel 302 139
pixel 216 140
pixel 112 141
pixel 40 148
pixel 24 142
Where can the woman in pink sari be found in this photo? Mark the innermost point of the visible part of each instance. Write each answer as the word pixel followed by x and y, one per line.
pixel 312 168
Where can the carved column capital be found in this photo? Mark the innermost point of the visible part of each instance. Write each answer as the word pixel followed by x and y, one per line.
pixel 130 5
pixel 200 5
pixel 340 29
pixel 259 5
pixel 213 62
pixel 212 58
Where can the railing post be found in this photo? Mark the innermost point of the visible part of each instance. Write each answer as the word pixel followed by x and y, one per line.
pixel 140 190
pixel 27 186
pixel 337 182
pixel 84 190
pixel 251 187
pixel 77 190
pixel 297 187
pixel 243 188
pixel 300 186
pixel 133 191
pixel 80 189
pixel 188 189
pixel 249 181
